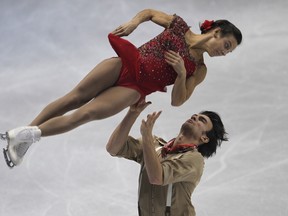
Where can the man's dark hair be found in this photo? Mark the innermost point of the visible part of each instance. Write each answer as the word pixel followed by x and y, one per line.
pixel 216 135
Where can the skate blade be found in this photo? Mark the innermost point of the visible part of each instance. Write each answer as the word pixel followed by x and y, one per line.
pixel 9 163
pixel 4 136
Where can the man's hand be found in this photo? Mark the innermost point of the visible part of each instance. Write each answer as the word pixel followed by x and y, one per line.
pixel 153 166
pixel 139 107
pixel 147 126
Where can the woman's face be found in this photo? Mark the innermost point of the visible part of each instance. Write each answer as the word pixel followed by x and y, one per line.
pixel 220 45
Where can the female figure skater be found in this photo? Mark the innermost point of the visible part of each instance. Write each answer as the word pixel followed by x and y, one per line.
pixel 175 56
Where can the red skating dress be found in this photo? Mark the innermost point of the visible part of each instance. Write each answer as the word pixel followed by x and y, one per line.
pixel 144 69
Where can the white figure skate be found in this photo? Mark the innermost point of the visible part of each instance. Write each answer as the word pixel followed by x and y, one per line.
pixel 19 140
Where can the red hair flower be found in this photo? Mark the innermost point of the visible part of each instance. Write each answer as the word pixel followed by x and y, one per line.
pixel 206 25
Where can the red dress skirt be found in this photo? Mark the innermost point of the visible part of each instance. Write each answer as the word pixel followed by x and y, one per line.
pixel 130 63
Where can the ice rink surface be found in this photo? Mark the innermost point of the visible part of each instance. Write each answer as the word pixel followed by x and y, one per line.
pixel 47 47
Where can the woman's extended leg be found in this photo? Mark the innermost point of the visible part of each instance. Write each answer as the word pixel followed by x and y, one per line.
pixel 103 76
pixel 106 104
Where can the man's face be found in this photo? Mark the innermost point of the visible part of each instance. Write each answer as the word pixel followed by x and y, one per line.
pixel 197 126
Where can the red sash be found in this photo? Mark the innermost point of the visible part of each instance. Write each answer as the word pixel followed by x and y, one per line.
pixel 170 149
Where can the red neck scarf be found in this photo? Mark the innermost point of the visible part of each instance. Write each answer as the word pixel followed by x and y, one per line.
pixel 169 149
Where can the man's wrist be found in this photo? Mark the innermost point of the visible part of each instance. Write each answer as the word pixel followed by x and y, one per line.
pixel 133 113
pixel 147 138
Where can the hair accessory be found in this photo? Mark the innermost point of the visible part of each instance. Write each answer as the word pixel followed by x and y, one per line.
pixel 206 25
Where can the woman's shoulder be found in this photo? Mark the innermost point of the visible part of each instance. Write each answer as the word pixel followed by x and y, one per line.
pixel 178 24
pixel 176 19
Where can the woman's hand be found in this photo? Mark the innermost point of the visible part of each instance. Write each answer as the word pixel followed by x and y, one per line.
pixel 125 29
pixel 176 61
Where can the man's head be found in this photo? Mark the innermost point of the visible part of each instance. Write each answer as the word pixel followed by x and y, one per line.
pixel 207 131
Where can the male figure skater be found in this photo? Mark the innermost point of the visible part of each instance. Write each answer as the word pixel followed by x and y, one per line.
pixel 169 171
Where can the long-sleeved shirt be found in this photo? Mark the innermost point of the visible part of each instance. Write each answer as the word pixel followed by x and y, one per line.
pixel 183 170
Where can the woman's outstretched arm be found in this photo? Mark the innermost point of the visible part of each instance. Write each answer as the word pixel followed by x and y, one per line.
pixel 158 17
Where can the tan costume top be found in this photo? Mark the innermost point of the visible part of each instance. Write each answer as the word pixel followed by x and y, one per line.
pixel 183 170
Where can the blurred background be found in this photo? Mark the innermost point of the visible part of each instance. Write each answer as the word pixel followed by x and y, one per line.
pixel 47 47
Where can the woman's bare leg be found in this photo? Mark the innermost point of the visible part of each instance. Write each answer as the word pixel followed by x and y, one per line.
pixel 106 104
pixel 103 76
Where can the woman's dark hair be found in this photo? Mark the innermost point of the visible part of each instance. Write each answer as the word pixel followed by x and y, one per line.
pixel 216 135
pixel 227 28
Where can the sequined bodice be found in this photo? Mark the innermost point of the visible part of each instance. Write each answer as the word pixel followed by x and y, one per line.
pixel 153 68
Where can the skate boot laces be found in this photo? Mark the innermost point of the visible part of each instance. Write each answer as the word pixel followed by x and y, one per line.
pixel 26 135
pixel 22 148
